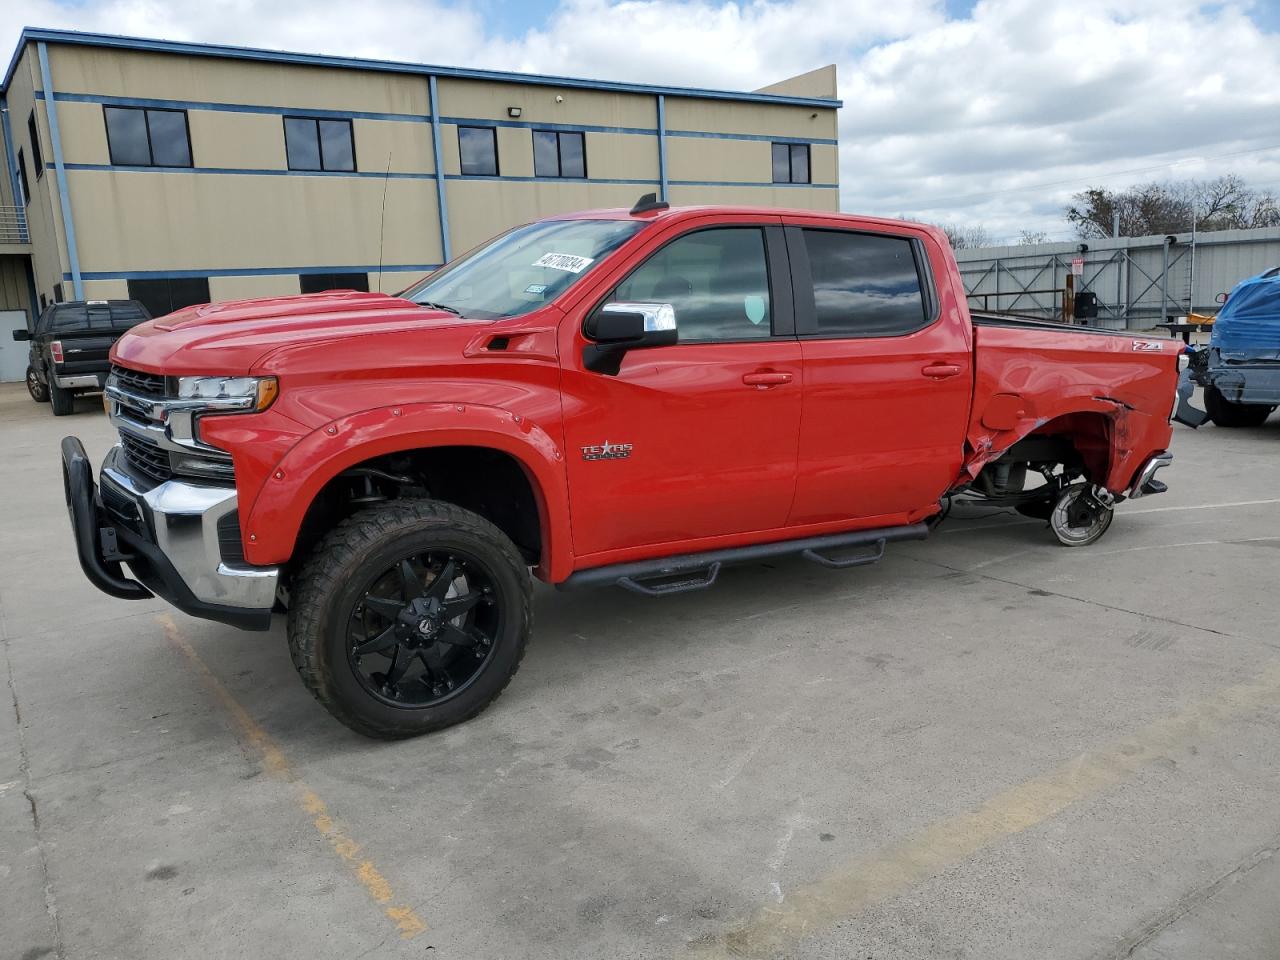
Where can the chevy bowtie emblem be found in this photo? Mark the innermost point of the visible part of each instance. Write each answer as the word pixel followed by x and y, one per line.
pixel 606 451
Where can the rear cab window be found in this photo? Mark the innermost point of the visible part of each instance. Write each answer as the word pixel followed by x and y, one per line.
pixel 93 317
pixel 862 284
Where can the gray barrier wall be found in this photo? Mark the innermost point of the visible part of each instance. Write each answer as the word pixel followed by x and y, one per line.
pixel 1128 274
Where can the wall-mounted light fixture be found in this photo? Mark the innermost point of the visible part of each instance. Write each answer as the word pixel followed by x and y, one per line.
pixel 514 111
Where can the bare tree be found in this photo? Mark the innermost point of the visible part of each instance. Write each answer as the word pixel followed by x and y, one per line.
pixel 966 237
pixel 1029 237
pixel 1223 203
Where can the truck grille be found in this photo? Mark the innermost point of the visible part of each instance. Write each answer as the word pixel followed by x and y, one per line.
pixel 148 384
pixel 146 457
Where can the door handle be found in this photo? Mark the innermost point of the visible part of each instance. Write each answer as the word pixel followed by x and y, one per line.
pixel 940 371
pixel 766 378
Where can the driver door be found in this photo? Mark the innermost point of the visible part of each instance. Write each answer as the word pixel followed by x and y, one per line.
pixel 690 444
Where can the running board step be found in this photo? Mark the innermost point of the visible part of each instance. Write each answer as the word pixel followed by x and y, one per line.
pixel 698 571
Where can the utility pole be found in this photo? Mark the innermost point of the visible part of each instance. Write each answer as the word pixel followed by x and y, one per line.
pixel 1191 283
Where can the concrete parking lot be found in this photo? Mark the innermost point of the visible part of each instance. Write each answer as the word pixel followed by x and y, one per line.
pixel 986 746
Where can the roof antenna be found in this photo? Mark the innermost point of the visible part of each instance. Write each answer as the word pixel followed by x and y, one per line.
pixel 382 227
pixel 649 202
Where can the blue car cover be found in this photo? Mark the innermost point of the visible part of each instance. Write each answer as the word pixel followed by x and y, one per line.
pixel 1248 325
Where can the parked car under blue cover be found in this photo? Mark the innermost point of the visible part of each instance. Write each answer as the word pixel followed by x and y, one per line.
pixel 1240 368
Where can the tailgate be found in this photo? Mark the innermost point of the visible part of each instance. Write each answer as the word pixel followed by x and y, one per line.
pixel 85 354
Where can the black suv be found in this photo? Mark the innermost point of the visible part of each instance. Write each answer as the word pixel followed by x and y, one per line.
pixel 71 345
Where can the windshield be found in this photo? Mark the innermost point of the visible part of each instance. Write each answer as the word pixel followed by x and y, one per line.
pixel 522 269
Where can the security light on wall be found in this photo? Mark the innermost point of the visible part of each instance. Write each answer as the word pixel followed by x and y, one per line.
pixel 514 111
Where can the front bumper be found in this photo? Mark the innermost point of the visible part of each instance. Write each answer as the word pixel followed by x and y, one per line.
pixel 169 535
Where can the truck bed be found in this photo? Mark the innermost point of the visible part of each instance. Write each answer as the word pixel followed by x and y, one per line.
pixel 1034 323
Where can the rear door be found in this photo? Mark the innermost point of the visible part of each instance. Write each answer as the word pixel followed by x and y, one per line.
pixel 888 372
pixel 696 440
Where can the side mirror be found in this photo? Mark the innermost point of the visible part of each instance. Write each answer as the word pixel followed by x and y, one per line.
pixel 22 335
pixel 1221 298
pixel 620 326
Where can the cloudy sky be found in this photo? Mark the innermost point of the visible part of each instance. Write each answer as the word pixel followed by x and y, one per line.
pixel 984 113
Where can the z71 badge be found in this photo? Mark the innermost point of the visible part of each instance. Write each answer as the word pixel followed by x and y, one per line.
pixel 606 451
pixel 1147 346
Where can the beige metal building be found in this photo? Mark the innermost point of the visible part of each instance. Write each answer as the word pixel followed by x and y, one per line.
pixel 178 173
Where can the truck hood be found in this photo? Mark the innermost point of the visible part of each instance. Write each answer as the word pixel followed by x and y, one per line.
pixel 232 336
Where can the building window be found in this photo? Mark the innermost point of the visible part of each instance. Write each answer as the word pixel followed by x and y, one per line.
pixel 165 296
pixel 864 285
pixel 57 293
pixel 37 159
pixel 478 151
pixel 790 163
pixel 320 282
pixel 147 138
pixel 319 144
pixel 559 154
pixel 22 179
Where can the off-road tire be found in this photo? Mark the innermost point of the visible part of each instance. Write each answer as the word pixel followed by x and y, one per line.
pixel 328 586
pixel 62 401
pixel 1227 413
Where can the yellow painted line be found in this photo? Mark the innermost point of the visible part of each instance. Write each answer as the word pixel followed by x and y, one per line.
pixel 362 868
pixel 880 876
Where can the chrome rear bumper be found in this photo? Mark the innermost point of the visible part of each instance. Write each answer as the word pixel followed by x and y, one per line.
pixel 1145 484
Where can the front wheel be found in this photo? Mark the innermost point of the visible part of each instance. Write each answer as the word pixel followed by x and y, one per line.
pixel 1079 516
pixel 1228 413
pixel 410 617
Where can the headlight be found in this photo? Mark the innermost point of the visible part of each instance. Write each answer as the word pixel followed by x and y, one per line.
pixel 230 393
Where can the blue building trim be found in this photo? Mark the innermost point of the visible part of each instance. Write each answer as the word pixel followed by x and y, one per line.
pixel 768 138
pixel 440 177
pixel 253 271
pixel 254 171
pixel 111 101
pixel 537 125
pixel 437 150
pixel 222 51
pixel 662 146
pixel 59 169
pixel 739 183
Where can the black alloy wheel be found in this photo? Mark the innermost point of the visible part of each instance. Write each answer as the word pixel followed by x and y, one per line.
pixel 424 629
pixel 410 616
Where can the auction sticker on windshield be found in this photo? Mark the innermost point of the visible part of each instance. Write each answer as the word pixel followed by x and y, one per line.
pixel 567 262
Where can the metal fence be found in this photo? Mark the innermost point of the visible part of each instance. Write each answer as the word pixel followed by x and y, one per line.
pixel 1139 281
pixel 13 225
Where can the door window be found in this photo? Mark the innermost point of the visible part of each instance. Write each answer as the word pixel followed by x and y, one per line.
pixel 864 285
pixel 717 280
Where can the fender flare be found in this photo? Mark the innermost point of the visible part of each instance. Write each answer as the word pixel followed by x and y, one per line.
pixel 270 527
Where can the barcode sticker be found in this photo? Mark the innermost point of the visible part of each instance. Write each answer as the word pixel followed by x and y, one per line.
pixel 567 262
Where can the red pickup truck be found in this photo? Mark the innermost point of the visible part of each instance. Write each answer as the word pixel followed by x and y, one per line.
pixel 632 397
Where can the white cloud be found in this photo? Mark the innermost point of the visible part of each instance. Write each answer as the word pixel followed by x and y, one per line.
pixel 958 120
